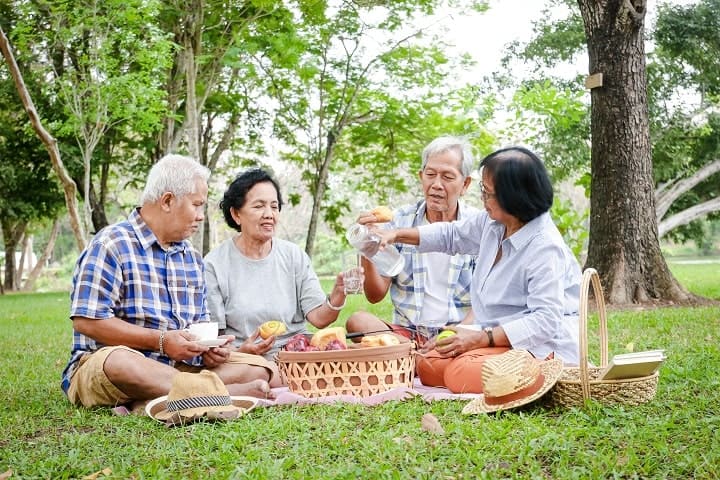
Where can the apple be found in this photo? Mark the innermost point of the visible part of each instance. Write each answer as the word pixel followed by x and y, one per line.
pixel 445 334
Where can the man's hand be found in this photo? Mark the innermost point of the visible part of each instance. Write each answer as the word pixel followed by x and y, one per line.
pixel 179 345
pixel 216 356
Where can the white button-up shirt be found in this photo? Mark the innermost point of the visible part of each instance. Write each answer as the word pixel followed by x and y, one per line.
pixel 532 292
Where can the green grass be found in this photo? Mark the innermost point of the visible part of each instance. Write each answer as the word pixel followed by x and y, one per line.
pixel 675 436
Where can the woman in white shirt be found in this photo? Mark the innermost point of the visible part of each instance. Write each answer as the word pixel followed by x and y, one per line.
pixel 526 285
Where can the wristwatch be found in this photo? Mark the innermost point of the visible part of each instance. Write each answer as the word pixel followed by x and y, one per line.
pixel 491 340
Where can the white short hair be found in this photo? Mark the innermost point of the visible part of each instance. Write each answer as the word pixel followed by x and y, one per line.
pixel 446 143
pixel 173 173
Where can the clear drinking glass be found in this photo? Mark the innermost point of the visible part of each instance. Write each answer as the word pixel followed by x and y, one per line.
pixel 352 275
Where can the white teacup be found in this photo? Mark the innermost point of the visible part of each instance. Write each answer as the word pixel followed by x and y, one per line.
pixel 204 330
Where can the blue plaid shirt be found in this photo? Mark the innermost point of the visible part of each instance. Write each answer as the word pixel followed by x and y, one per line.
pixel 125 273
pixel 407 289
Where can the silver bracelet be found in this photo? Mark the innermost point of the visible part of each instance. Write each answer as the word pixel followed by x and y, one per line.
pixel 162 342
pixel 333 307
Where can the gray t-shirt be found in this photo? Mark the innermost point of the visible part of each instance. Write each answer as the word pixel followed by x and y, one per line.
pixel 243 293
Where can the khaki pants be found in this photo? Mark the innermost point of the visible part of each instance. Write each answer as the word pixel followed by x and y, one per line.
pixel 90 386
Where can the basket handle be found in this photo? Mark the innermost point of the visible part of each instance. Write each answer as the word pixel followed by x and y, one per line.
pixel 591 277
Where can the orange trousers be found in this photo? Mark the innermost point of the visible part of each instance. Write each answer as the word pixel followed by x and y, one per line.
pixel 461 374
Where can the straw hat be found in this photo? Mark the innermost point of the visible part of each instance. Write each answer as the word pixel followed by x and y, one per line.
pixel 512 379
pixel 194 396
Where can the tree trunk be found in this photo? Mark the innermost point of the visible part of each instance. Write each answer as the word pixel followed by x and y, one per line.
pixel 319 191
pixel 69 187
pixel 26 244
pixel 12 234
pixel 47 251
pixel 624 245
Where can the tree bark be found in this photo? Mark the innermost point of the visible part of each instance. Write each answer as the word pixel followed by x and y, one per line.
pixel 624 246
pixel 69 187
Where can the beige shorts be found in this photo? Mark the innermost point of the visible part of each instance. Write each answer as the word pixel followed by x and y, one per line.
pixel 90 386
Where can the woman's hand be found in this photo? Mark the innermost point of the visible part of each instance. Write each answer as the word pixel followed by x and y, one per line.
pixel 218 355
pixel 463 341
pixel 253 347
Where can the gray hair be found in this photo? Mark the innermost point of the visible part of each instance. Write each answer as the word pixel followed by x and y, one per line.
pixel 446 143
pixel 173 173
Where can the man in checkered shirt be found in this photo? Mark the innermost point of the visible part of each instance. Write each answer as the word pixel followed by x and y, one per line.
pixel 136 288
pixel 433 289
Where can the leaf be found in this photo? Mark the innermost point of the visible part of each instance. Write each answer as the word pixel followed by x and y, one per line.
pixel 105 472
pixel 431 424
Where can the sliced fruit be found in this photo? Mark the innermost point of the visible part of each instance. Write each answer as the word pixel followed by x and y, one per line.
pixel 327 335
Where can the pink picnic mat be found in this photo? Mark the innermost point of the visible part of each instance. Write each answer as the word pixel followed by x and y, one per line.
pixel 283 396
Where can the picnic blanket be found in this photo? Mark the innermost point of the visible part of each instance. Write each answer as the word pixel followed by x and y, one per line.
pixel 283 396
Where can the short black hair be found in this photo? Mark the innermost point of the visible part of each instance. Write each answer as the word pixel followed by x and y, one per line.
pixel 234 196
pixel 522 183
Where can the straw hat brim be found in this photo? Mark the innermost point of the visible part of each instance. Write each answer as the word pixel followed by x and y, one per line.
pixel 157 408
pixel 551 370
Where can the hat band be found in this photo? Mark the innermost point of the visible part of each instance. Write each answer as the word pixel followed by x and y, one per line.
pixel 525 392
pixel 197 402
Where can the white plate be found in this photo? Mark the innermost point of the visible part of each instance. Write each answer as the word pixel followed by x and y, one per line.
pixel 213 342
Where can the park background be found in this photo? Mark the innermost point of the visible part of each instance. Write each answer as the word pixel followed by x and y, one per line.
pixel 119 83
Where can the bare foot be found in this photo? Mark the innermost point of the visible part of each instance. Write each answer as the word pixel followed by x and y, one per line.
pixel 255 388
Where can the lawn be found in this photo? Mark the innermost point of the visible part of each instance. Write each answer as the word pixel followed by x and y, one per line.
pixel 675 436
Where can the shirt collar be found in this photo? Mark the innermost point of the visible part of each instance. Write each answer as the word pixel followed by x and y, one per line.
pixel 520 238
pixel 422 206
pixel 146 236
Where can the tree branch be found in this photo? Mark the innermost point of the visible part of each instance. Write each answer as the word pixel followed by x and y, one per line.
pixel 668 193
pixel 688 215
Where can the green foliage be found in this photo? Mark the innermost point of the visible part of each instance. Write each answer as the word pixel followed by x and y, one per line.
pixel 556 120
pixel 572 225
pixel 358 103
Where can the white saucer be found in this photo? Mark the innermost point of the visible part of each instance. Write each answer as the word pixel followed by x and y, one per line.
pixel 213 342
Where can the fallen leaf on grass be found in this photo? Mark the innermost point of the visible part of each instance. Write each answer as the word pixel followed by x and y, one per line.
pixel 105 472
pixel 5 475
pixel 431 424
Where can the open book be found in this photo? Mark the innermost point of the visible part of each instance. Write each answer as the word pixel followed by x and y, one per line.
pixel 633 365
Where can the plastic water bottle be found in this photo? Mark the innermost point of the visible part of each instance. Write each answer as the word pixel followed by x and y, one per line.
pixel 388 260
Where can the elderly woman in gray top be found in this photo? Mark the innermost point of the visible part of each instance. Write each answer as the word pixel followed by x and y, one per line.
pixel 255 277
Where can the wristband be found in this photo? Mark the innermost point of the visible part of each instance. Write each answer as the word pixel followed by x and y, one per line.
pixel 333 307
pixel 162 342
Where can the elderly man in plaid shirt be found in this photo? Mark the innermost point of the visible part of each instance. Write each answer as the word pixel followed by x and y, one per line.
pixel 433 290
pixel 136 288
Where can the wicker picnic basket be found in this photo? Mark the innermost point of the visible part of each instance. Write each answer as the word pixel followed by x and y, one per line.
pixel 361 371
pixel 577 384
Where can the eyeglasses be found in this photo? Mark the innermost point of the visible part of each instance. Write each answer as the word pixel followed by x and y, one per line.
pixel 484 194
